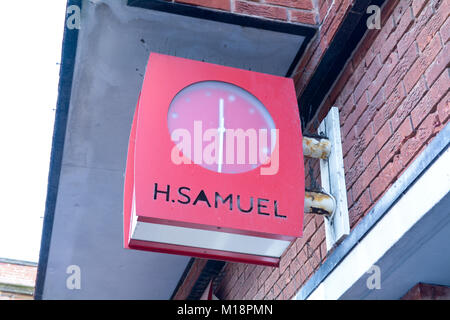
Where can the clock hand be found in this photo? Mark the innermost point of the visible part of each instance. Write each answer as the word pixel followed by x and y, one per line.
pixel 221 131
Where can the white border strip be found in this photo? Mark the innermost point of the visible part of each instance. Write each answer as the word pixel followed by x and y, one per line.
pixel 209 239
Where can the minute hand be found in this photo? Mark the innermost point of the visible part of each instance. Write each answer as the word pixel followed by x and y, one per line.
pixel 221 133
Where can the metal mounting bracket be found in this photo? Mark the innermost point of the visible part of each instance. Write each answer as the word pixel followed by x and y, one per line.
pixel 332 174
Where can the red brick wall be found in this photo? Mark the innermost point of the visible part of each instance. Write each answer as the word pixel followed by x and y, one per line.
pixel 423 291
pixel 295 11
pixel 393 99
pixel 19 275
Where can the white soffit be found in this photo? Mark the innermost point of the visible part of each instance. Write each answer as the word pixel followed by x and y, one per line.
pixel 208 239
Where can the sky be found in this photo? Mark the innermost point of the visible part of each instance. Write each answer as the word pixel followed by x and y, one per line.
pixel 30 51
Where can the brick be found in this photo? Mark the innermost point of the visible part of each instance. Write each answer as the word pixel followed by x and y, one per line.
pixel 323 11
pixel 388 10
pixel 269 295
pixel 246 289
pixel 363 48
pixel 405 21
pixel 401 9
pixel 360 144
pixel 348 124
pixel 263 277
pixel 362 85
pixel 388 46
pixel 17 274
pixel 286 258
pixel 371 171
pixel 240 293
pixel 249 271
pixel 348 142
pixel 370 152
pixel 241 268
pixel 349 198
pixel 299 4
pixel 428 128
pixel 280 285
pixel 359 110
pixel 377 101
pixel 352 156
pixel 319 221
pixel 401 69
pixel 383 135
pixel 294 266
pixel 443 109
pixel 417 6
pixel 315 259
pixel 433 25
pixel 300 277
pixel 440 63
pixel 354 172
pixel 393 144
pixel 361 107
pixel 302 257
pixel 366 135
pixel 346 109
pixel 406 41
pixel 251 293
pixel 384 34
pixel 308 230
pixel 406 129
pixel 389 108
pixel 378 82
pixel 256 273
pixel 235 290
pixel 422 291
pixel 261 10
pixel 308 219
pixel 374 68
pixel 290 290
pixel 318 237
pixel 284 279
pixel 305 17
pixel 383 181
pixel 259 295
pixel 215 4
pixel 225 287
pixel 430 100
pixel 409 103
pixel 271 280
pixel 371 111
pixel 422 63
pixel 353 81
pixel 359 207
pixel 445 31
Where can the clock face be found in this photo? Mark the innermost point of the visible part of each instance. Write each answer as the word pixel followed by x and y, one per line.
pixel 229 129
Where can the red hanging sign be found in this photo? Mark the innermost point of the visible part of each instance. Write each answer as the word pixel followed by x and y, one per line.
pixel 215 163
